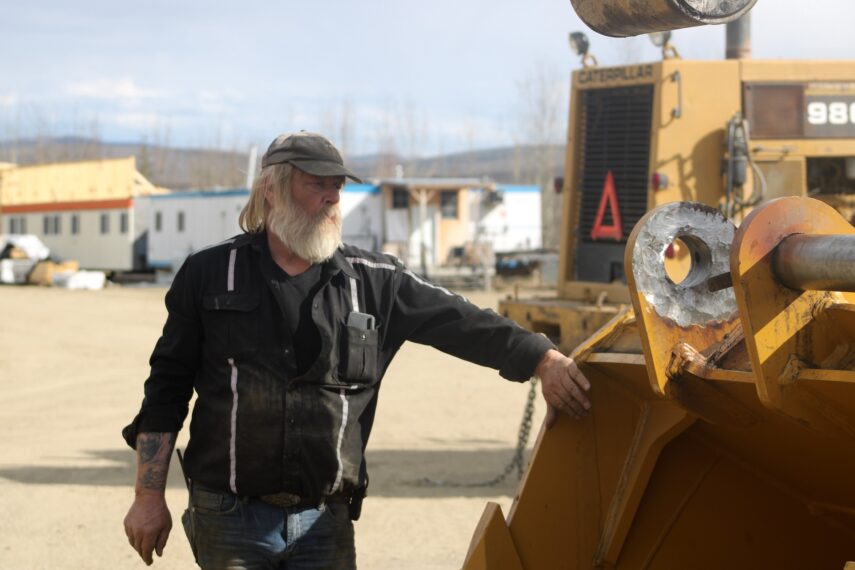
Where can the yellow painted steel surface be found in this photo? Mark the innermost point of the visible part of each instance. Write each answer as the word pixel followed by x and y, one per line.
pixel 713 443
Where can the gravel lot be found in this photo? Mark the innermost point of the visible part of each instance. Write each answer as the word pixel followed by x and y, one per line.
pixel 72 364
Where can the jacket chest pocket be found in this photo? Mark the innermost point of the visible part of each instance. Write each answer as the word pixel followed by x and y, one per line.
pixel 231 322
pixel 358 354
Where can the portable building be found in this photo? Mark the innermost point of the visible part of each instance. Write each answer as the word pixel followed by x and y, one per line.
pixel 426 221
pixel 512 222
pixel 85 211
pixel 183 222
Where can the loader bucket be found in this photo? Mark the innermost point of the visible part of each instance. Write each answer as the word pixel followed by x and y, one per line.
pixel 722 429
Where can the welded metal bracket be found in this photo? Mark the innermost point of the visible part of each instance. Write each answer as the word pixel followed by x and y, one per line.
pixel 688 312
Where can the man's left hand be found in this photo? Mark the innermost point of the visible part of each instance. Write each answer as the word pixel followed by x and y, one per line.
pixel 564 387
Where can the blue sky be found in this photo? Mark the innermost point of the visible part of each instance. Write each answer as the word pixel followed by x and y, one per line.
pixel 413 76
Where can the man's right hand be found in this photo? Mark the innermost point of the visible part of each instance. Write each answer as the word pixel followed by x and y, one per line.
pixel 147 524
pixel 565 388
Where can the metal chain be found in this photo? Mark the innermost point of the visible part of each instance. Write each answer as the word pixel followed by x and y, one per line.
pixel 517 461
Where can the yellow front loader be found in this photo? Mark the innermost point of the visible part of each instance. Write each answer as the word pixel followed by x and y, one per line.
pixel 722 433
pixel 728 134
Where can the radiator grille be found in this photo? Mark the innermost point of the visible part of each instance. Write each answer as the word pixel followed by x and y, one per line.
pixel 615 137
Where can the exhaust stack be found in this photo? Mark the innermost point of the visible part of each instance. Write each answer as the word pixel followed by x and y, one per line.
pixel 738 33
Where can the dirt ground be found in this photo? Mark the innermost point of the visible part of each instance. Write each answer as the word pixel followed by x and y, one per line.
pixel 72 364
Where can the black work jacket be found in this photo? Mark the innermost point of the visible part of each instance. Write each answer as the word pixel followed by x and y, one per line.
pixel 260 428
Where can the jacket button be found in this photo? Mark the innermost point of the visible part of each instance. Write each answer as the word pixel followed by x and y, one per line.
pixel 287 351
pixel 315 306
pixel 292 421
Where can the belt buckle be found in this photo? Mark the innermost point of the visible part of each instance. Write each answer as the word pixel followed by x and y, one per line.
pixel 282 500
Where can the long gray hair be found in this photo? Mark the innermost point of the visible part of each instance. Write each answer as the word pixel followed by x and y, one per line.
pixel 276 178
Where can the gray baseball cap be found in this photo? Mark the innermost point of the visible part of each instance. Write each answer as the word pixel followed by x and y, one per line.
pixel 310 152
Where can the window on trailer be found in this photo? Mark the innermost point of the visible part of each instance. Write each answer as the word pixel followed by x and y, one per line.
pixel 123 222
pixel 448 204
pixel 105 223
pixel 75 224
pixel 400 198
pixel 51 225
pixel 180 221
pixel 158 221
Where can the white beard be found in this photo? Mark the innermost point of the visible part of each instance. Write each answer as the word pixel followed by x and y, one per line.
pixel 313 238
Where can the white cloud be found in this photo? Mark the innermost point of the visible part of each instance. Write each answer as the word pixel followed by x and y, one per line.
pixel 219 102
pixel 212 102
pixel 8 99
pixel 112 89
pixel 422 131
pixel 139 120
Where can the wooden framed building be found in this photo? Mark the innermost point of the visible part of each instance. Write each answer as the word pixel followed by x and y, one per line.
pixel 86 211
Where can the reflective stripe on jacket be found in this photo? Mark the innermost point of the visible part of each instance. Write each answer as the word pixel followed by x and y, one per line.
pixel 260 428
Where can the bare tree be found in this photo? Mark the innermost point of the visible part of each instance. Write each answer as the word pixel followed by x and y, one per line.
pixel 338 121
pixel 411 128
pixel 387 144
pixel 543 101
pixel 85 143
pixel 45 148
pixel 94 147
pixel 11 136
pixel 161 134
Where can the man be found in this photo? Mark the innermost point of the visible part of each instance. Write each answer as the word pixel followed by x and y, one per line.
pixel 285 334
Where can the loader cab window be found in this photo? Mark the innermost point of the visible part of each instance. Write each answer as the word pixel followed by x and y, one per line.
pixel 831 175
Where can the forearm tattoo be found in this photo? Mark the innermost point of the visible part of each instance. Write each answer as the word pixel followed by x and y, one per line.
pixel 153 453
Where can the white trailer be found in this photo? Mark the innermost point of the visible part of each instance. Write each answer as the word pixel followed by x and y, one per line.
pixel 512 224
pixel 98 234
pixel 183 222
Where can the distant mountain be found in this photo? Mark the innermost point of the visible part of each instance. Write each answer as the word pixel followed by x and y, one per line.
pixel 175 168
pixel 509 165
pixel 183 168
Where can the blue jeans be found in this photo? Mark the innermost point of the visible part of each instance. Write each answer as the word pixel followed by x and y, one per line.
pixel 228 532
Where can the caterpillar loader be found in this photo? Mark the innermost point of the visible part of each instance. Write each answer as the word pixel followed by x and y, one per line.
pixel 724 133
pixel 721 358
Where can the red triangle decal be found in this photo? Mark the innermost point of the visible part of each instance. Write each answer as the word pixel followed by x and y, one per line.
pixel 608 198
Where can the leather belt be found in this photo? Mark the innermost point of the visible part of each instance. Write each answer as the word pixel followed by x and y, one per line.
pixel 283 500
pixel 287 500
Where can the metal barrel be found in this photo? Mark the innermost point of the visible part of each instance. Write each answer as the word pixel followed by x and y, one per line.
pixel 621 18
pixel 816 262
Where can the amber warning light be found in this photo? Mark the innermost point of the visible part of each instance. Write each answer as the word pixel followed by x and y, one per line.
pixel 658 181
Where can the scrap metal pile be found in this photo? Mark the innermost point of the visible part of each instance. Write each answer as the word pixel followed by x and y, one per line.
pixel 25 260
